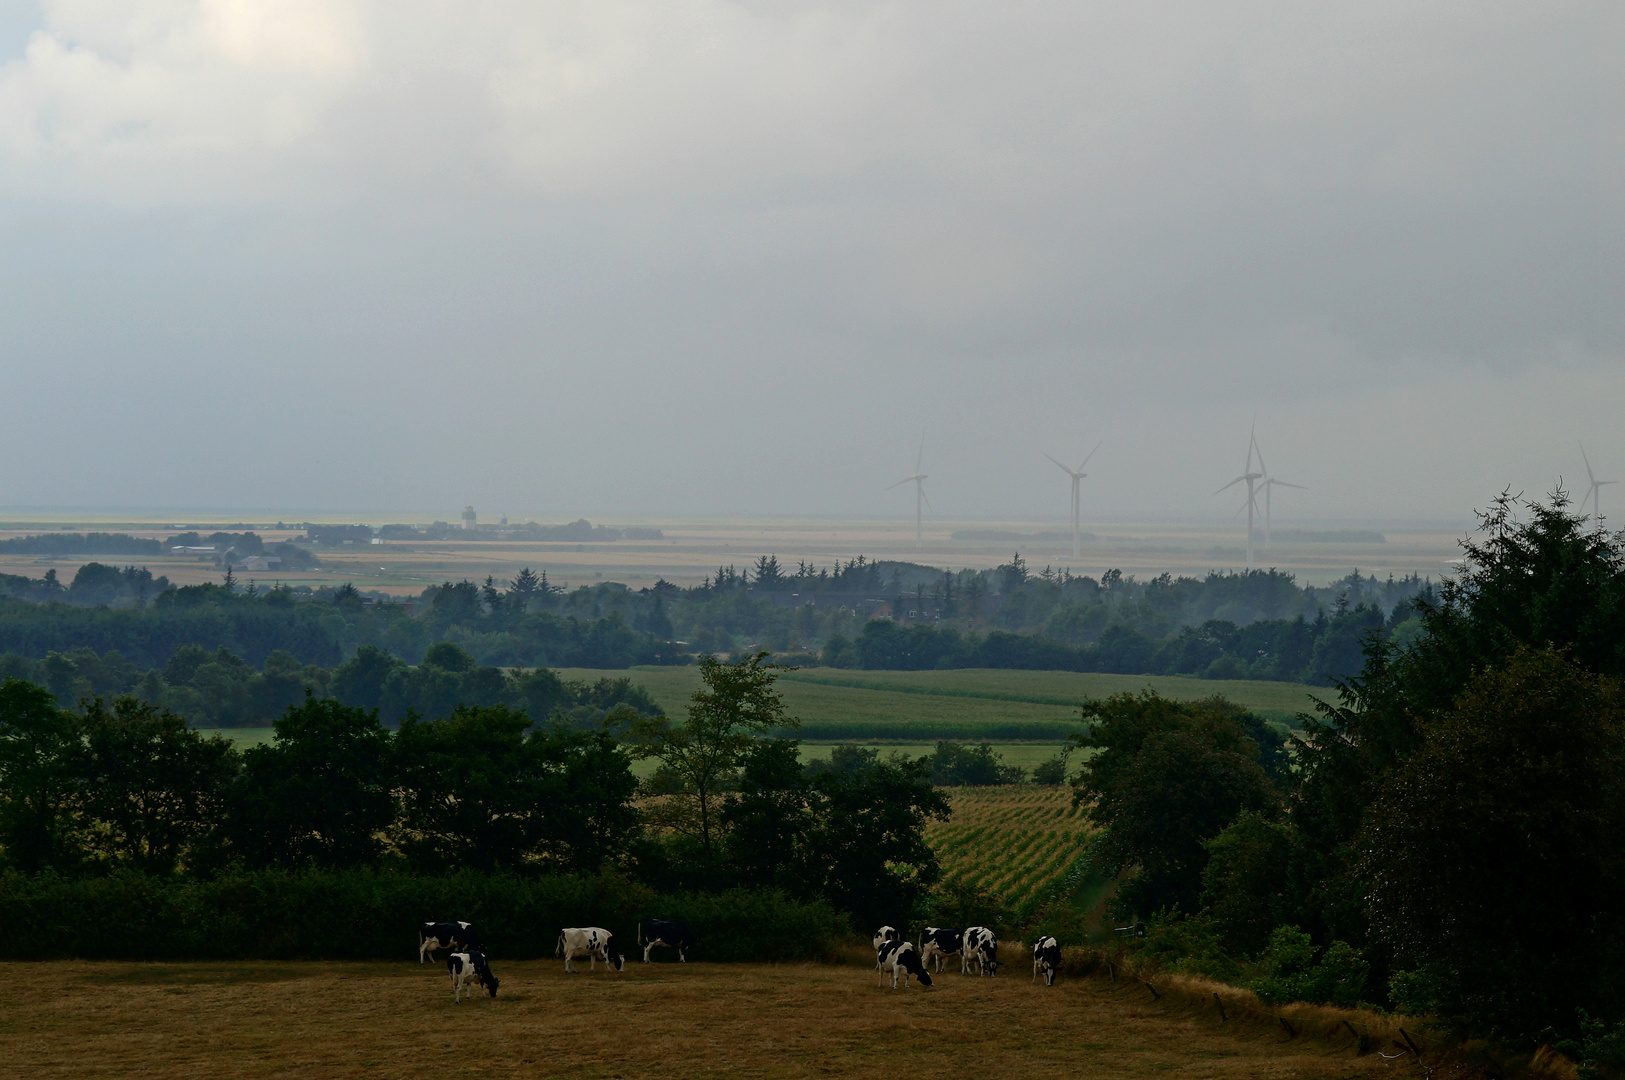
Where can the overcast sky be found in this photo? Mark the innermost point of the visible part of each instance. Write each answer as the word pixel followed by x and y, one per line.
pixel 686 257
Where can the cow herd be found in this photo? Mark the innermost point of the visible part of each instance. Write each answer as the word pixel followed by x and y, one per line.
pixel 468 963
pixel 976 946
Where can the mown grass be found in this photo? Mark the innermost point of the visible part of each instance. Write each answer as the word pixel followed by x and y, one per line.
pixel 343 1020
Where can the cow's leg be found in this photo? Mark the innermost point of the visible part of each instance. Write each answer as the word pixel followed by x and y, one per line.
pixel 682 954
pixel 646 949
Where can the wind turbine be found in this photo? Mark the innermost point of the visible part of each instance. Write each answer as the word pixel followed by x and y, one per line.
pixel 1594 490
pixel 1077 477
pixel 1251 479
pixel 919 479
pixel 1267 487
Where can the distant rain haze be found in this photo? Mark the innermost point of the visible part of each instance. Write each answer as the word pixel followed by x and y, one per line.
pixel 687 257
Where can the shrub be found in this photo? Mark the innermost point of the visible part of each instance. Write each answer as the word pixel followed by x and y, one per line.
pixel 1293 972
pixel 363 914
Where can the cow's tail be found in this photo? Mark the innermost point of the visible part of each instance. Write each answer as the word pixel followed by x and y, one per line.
pixel 640 933
pixel 911 963
pixel 559 950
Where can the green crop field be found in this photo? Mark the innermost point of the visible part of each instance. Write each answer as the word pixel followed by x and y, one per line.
pixel 1016 842
pixel 1000 706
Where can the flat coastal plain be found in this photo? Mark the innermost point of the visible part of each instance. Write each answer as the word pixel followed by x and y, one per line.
pixel 336 1020
pixel 695 547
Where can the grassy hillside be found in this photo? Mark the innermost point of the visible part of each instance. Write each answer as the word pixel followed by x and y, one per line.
pixel 1001 706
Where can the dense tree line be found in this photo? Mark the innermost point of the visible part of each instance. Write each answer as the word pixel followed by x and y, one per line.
pixel 221 689
pixel 492 624
pixel 126 786
pixel 1329 647
pixel 1449 839
pixel 1259 624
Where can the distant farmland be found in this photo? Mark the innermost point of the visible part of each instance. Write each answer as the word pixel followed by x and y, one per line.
pixel 999 706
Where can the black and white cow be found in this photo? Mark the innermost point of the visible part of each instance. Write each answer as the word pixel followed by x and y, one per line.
pixel 1046 959
pixel 468 967
pixel 899 956
pixel 447 935
pixel 593 942
pixel 938 943
pixel 885 934
pixel 672 933
pixel 982 949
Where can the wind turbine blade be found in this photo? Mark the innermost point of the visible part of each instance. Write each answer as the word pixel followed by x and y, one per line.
pixel 1589 474
pixel 1058 465
pixel 927 499
pixel 1230 485
pixel 1091 454
pixel 899 483
pixel 1283 483
pixel 920 457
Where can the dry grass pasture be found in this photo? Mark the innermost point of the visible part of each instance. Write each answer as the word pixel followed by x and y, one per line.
pixel 337 1020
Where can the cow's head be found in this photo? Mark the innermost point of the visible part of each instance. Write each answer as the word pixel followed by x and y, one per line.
pixel 490 982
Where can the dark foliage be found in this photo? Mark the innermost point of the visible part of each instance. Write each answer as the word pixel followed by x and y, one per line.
pixel 1166 777
pixel 371 915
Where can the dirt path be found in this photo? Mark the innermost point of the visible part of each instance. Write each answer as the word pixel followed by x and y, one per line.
pixel 397 1020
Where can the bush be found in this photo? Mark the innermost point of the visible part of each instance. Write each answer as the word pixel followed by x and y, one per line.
pixel 1188 945
pixel 956 765
pixel 1293 972
pixel 1599 1051
pixel 357 915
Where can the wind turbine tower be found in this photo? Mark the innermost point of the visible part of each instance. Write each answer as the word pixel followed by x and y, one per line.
pixel 1267 487
pixel 1250 478
pixel 919 478
pixel 1077 476
pixel 1594 490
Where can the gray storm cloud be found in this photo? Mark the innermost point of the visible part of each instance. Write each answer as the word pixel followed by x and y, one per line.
pixel 665 258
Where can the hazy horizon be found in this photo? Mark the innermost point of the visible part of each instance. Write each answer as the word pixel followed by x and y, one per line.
pixel 635 260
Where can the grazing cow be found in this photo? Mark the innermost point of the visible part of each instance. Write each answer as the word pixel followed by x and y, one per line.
pixel 672 933
pixel 593 942
pixel 899 956
pixel 447 935
pixel 982 949
pixel 467 967
pixel 1046 959
pixel 885 934
pixel 938 943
